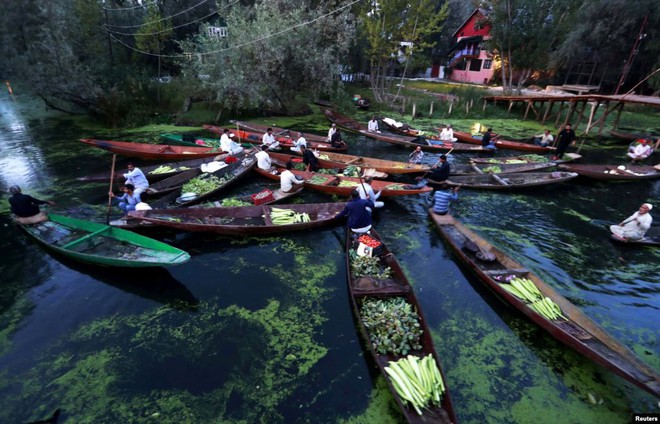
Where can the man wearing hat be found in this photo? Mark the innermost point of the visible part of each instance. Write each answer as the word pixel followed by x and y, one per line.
pixel 331 132
pixel 635 226
pixel 641 151
pixel 227 143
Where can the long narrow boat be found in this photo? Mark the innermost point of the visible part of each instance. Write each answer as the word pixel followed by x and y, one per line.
pixel 286 142
pixel 152 172
pixel 102 244
pixel 533 158
pixel 175 182
pixel 241 220
pixel 382 165
pixel 368 288
pixel 613 172
pixel 277 131
pixel 576 330
pixel 519 181
pixel 149 151
pixel 358 128
pixel 501 143
pixel 190 140
pixel 343 186
pixel 487 168
pixel 629 136
pixel 651 238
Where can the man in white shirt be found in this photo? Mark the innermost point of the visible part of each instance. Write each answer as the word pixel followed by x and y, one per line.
pixel 365 188
pixel 544 140
pixel 641 151
pixel 331 132
pixel 298 143
pixel 263 160
pixel 447 134
pixel 269 140
pixel 136 177
pixel 224 140
pixel 233 147
pixel 373 125
pixel 288 180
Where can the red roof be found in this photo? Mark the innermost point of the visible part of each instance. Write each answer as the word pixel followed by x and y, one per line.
pixel 467 29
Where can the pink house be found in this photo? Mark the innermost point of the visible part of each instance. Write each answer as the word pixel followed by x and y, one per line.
pixel 469 61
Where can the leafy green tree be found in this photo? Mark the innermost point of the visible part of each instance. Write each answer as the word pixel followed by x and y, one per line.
pixel 388 23
pixel 153 33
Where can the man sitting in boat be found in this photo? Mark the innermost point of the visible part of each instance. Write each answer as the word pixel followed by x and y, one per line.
pixel 227 143
pixel 545 139
pixel 359 216
pixel 136 177
pixel 635 226
pixel 336 141
pixel 487 140
pixel 416 156
pixel 641 151
pixel 269 140
pixel 441 198
pixel 440 173
pixel 128 200
pixel 331 132
pixel 372 126
pixel 263 160
pixel 367 192
pixel 447 134
pixel 288 180
pixel 26 208
pixel 309 159
pixel 301 141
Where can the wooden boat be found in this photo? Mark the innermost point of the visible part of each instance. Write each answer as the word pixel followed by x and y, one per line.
pixel 190 140
pixel 577 331
pixel 102 244
pixel 150 151
pixel 635 143
pixel 175 182
pixel 286 142
pixel 382 165
pixel 487 168
pixel 501 143
pixel 612 173
pixel 358 128
pixel 652 238
pixel 241 220
pixel 277 131
pixel 628 136
pixel 342 186
pixel 568 157
pixel 362 288
pixel 176 168
pixel 518 181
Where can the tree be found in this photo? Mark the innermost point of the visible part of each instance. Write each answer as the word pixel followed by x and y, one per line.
pixel 264 62
pixel 153 33
pixel 387 23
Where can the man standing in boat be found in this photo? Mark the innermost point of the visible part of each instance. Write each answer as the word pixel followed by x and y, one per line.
pixel 565 138
pixel 26 208
pixel 358 212
pixel 136 177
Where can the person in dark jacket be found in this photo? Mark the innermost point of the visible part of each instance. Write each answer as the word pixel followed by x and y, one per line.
pixel 336 141
pixel 359 217
pixel 487 140
pixel 564 139
pixel 309 159
pixel 440 173
pixel 23 205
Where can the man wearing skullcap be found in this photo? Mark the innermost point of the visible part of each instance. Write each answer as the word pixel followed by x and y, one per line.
pixel 635 226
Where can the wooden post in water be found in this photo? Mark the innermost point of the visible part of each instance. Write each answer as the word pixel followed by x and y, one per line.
pixel 431 109
pixel 112 180
pixel 414 110
pixel 451 103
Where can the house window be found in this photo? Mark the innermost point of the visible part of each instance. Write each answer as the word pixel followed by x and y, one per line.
pixel 460 66
pixel 475 65
pixel 488 63
pixel 217 32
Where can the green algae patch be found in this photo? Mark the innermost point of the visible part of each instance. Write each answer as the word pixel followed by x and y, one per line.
pixel 10 321
pixel 382 408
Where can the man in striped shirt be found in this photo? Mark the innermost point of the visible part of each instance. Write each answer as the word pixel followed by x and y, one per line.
pixel 441 198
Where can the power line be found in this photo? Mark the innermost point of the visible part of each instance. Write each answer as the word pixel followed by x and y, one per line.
pixel 161 19
pixel 164 30
pixel 237 45
pixel 122 9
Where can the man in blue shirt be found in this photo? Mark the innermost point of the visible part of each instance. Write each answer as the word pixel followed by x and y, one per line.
pixel 441 198
pixel 359 217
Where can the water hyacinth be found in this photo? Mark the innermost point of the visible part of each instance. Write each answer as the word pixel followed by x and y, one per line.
pixel 362 266
pixel 392 324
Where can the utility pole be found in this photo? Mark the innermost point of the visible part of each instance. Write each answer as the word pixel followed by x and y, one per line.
pixel 107 30
pixel 633 53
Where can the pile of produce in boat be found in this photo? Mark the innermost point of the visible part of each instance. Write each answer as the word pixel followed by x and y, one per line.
pixel 492 169
pixel 368 266
pixel 418 381
pixel 232 202
pixel 317 179
pixel 525 290
pixel 164 169
pixel 346 183
pixel 393 325
pixel 281 216
pixel 203 184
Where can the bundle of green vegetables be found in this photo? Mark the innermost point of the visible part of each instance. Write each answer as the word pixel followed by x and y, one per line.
pixel 203 184
pixel 368 265
pixel 317 179
pixel 392 324
pixel 347 183
pixel 526 290
pixel 492 169
pixel 233 202
pixel 534 158
pixel 417 381
pixel 281 216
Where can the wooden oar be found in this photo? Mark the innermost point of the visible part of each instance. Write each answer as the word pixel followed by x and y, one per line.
pixel 112 180
pixel 446 154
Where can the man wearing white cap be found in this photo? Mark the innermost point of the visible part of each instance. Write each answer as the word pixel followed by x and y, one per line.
pixel 635 226
pixel 331 132
pixel 227 143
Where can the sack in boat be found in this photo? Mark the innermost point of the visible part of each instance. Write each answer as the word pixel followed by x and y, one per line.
pixel 470 246
pixel 34 219
pixel 485 256
pixel 212 166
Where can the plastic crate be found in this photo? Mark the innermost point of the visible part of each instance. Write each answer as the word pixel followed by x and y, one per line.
pixel 265 199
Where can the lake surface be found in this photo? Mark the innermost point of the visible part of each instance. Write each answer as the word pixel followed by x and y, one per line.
pixel 260 330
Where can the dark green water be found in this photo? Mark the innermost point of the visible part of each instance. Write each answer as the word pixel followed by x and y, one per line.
pixel 260 329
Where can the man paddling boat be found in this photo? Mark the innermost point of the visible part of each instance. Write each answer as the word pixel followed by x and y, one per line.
pixel 26 208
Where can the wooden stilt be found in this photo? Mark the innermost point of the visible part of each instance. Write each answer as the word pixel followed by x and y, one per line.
pixel 594 107
pixel 529 104
pixel 618 116
pixel 602 122
pixel 547 111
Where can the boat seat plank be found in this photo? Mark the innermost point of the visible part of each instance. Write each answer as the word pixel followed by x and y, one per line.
pixel 507 271
pixel 499 180
pixel 476 168
pixel 87 237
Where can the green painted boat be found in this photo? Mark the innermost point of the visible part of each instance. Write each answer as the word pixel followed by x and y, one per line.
pixel 101 244
pixel 190 140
